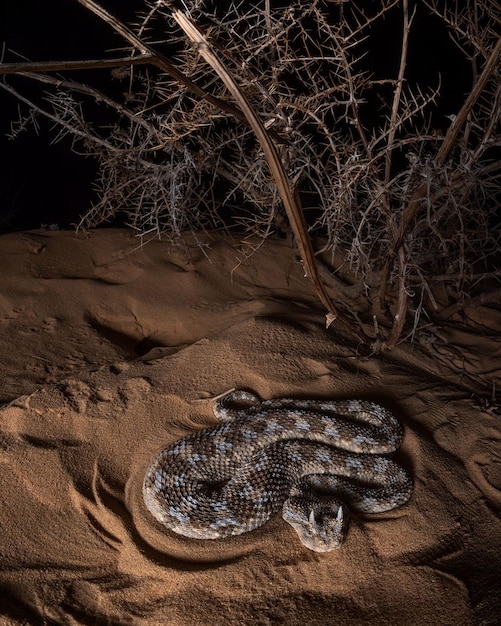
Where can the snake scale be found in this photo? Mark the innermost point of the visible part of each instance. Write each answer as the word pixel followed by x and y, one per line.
pixel 313 459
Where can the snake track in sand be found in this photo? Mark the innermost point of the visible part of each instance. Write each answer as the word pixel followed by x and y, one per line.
pixel 313 459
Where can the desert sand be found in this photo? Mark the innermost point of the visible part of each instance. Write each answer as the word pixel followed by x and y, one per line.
pixel 110 351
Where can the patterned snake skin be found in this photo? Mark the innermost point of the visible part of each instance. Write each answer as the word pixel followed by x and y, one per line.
pixel 311 458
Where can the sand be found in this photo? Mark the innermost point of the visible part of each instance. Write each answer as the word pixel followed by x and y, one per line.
pixel 110 351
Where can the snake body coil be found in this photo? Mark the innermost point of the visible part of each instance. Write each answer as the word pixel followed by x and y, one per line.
pixel 313 459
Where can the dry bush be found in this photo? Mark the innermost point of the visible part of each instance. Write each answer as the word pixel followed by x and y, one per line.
pixel 402 202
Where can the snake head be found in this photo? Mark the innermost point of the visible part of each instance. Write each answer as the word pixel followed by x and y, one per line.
pixel 323 528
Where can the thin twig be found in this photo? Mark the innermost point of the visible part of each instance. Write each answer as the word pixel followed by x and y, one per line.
pixel 69 128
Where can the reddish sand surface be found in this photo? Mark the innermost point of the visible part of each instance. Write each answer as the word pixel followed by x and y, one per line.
pixel 111 351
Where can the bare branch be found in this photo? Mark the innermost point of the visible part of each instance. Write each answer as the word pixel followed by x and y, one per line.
pixel 490 67
pixel 64 66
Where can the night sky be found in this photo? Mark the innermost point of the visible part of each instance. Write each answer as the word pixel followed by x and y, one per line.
pixel 42 181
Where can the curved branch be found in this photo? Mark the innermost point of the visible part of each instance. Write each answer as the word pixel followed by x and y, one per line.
pixel 290 200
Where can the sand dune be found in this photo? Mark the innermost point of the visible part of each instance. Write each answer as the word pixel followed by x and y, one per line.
pixel 110 351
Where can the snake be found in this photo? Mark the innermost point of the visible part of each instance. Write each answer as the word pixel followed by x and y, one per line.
pixel 315 460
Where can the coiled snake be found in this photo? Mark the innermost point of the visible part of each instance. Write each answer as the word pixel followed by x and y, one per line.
pixel 313 459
